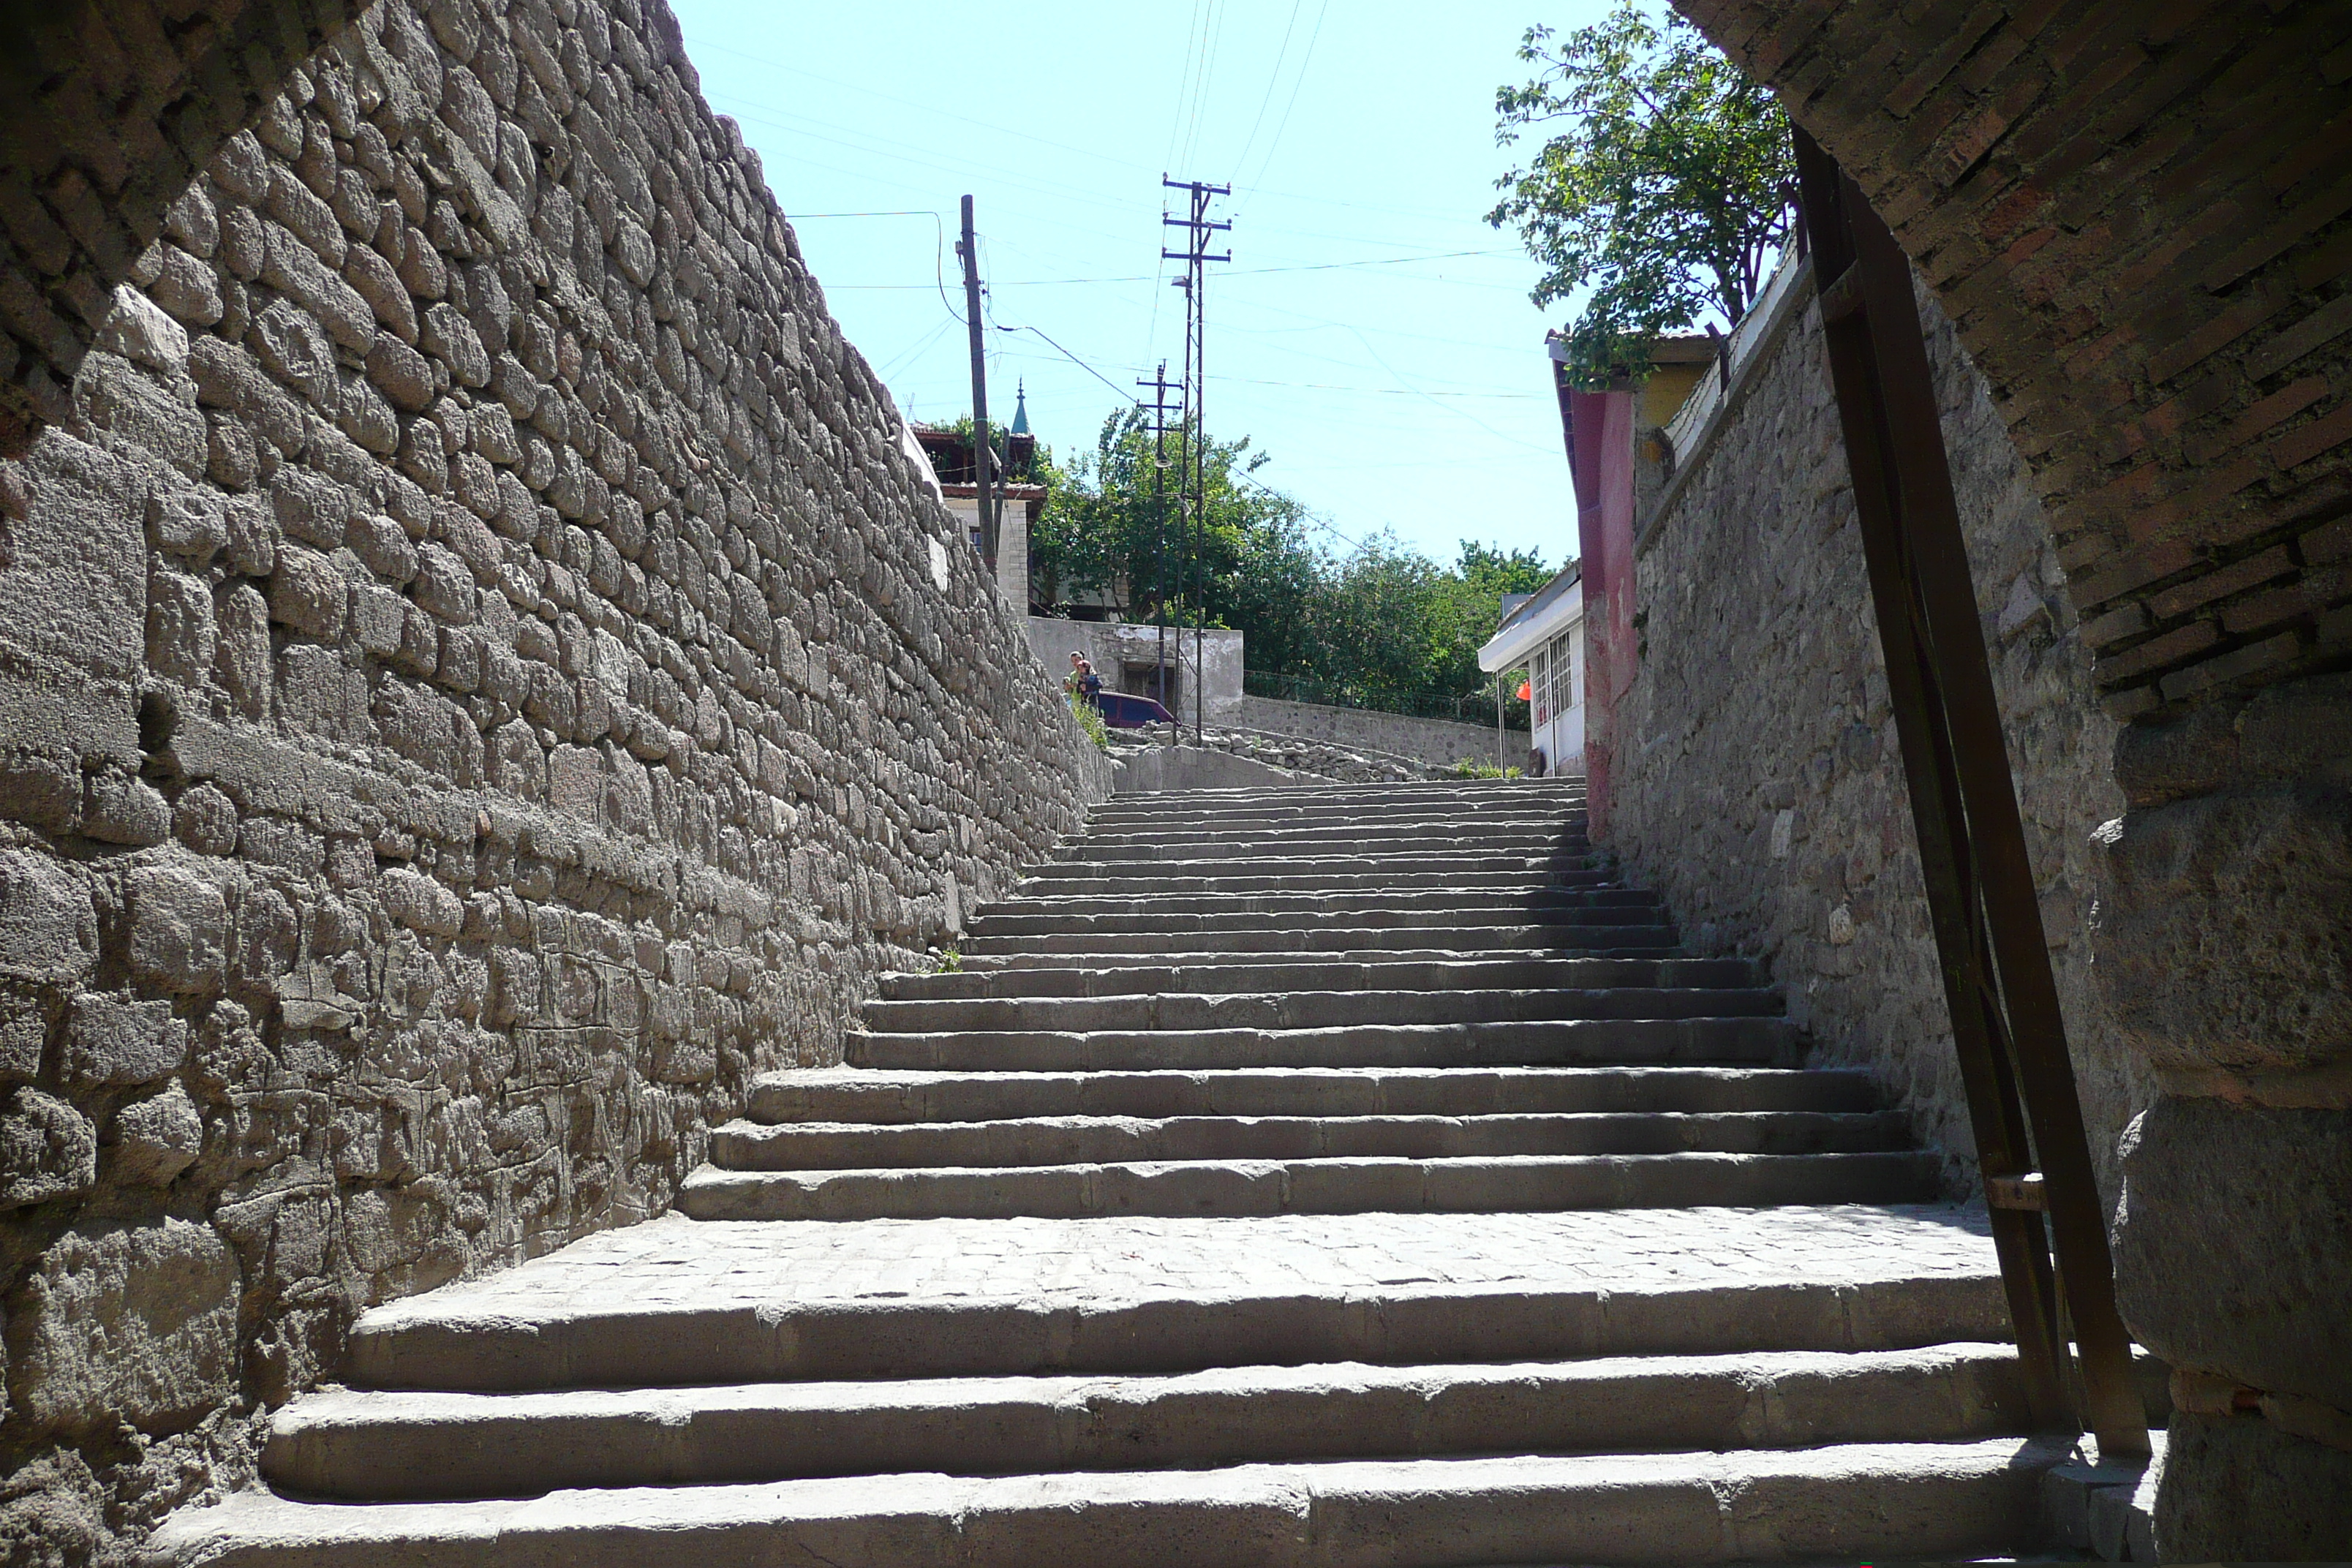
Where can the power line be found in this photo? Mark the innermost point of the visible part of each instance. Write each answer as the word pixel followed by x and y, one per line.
pixel 705 47
pixel 1272 81
pixel 1238 272
pixel 939 248
pixel 1063 352
pixel 1304 60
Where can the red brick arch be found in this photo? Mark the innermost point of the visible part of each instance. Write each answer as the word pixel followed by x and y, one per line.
pixel 108 108
pixel 2136 216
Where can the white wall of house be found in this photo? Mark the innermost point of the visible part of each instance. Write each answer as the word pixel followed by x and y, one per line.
pixel 1546 637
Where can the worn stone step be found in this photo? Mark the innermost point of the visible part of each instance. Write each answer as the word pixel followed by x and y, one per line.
pixel 1107 941
pixel 1372 945
pixel 1077 977
pixel 747 1145
pixel 1205 843
pixel 1760 1041
pixel 385 1446
pixel 860 1095
pixel 1322 1009
pixel 1243 912
pixel 1403 867
pixel 1530 1184
pixel 1462 930
pixel 674 1301
pixel 1170 812
pixel 1338 799
pixel 1848 1502
pixel 1245 878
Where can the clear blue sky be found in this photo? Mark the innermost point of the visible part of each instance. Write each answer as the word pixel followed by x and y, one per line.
pixel 1371 333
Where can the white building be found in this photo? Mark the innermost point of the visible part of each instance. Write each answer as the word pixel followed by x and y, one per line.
pixel 1544 633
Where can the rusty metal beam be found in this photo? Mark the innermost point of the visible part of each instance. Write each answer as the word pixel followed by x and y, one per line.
pixel 1982 903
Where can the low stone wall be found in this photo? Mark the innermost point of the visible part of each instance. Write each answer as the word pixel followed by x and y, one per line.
pixel 1441 742
pixel 479 678
pixel 1280 759
pixel 1759 782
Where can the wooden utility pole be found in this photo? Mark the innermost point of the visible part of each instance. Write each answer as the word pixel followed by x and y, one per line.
pixel 981 453
pixel 1160 384
pixel 1197 227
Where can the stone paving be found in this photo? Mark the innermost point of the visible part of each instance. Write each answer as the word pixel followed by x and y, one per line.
pixel 711 1266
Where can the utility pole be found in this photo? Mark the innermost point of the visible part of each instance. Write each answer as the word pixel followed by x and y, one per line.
pixel 981 453
pixel 1197 227
pixel 1159 406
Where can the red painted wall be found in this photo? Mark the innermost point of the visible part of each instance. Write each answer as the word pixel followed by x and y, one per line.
pixel 1602 458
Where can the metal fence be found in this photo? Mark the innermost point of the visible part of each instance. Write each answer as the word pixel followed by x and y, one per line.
pixel 1465 708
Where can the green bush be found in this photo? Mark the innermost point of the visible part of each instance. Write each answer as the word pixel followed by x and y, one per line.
pixel 1089 721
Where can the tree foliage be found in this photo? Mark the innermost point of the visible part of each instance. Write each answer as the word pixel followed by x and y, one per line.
pixel 1378 623
pixel 1666 189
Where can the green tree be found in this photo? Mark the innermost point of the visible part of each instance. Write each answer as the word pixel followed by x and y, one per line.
pixel 1666 190
pixel 1379 625
pixel 1102 528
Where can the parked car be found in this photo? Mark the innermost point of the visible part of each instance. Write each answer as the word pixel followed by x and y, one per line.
pixel 1121 712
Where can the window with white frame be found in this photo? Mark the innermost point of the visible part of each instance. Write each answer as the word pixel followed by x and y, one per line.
pixel 1561 658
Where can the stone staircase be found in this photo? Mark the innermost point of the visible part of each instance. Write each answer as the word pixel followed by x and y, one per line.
pixel 1352 1176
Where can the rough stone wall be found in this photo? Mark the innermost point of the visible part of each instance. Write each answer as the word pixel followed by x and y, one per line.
pixel 1439 741
pixel 2138 215
pixel 1315 759
pixel 478 679
pixel 1760 781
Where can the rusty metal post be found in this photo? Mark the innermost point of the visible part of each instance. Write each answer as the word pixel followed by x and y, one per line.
pixel 2010 1038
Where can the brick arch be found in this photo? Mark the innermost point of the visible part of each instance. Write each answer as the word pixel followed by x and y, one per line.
pixel 2136 216
pixel 107 110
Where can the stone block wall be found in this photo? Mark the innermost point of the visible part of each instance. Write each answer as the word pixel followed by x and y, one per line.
pixel 1760 781
pixel 1439 741
pixel 479 678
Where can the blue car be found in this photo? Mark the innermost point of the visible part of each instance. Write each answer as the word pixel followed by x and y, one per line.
pixel 1121 712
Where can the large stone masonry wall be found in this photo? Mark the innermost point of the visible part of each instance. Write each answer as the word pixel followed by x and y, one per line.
pixel 1760 781
pixel 479 678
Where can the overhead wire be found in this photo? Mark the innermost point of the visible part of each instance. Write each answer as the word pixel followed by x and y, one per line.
pixel 1272 81
pixel 939 248
pixel 1306 59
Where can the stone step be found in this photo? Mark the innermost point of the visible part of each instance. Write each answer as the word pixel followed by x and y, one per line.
pixel 1177 811
pixel 1246 912
pixel 1404 945
pixel 378 1447
pixel 747 1145
pixel 1207 843
pixel 1461 928
pixel 672 1301
pixel 874 1098
pixel 1912 1501
pixel 1080 861
pixel 1527 1184
pixel 1188 934
pixel 1463 798
pixel 1209 827
pixel 1076 978
pixel 1322 1009
pixel 1758 1041
pixel 1082 881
